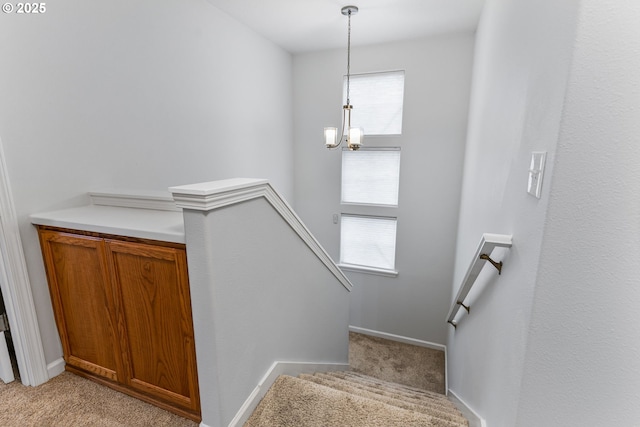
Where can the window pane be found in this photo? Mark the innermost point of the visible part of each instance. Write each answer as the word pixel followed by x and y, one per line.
pixel 368 241
pixel 377 102
pixel 371 176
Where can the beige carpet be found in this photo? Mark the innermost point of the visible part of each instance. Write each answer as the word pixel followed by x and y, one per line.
pixel 313 401
pixel 390 384
pixel 69 400
pixel 397 362
pixel 323 400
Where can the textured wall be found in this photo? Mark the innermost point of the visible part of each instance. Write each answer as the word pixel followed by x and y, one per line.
pixel 259 295
pixel 583 360
pixel 141 94
pixel 522 59
pixel 553 341
pixel 437 82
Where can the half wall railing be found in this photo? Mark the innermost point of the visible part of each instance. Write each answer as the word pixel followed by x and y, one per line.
pixel 266 298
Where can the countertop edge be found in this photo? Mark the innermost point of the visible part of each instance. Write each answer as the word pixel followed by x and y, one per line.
pixel 166 226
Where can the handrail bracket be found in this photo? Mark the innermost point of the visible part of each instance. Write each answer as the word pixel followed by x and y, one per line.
pixel 497 265
pixel 466 307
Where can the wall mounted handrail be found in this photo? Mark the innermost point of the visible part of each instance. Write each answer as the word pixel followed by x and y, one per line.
pixel 487 244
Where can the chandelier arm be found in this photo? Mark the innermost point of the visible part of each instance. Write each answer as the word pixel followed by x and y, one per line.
pixel 344 112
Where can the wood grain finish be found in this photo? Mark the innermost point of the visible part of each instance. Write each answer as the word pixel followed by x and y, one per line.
pixel 83 302
pixel 123 311
pixel 156 313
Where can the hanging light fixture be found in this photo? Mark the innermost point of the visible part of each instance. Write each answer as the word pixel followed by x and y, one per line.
pixel 354 135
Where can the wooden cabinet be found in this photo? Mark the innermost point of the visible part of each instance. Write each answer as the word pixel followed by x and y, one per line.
pixel 83 303
pixel 123 311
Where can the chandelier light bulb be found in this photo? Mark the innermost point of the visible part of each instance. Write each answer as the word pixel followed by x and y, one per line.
pixel 355 138
pixel 331 137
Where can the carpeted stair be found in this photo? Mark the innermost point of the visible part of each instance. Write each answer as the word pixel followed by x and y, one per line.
pixel 350 399
pixel 389 384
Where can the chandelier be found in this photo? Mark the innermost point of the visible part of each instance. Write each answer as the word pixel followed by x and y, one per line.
pixel 354 135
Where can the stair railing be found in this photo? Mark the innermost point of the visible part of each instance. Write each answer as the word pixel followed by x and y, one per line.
pixel 487 244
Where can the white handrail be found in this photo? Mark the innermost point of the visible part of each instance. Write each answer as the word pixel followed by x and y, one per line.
pixel 483 253
pixel 208 196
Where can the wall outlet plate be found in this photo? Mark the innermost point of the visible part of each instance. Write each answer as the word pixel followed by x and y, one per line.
pixel 536 171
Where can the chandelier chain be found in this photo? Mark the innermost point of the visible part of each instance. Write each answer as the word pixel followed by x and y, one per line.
pixel 354 135
pixel 349 58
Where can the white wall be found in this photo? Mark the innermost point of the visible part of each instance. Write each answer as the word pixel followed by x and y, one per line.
pixel 553 341
pixel 259 295
pixel 135 94
pixel 437 83
pixel 582 365
pixel 521 65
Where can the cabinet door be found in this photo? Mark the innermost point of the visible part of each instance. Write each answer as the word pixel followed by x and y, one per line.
pixel 155 307
pixel 82 300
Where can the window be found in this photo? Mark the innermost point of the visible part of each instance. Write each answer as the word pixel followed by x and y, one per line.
pixel 371 175
pixel 368 241
pixel 370 181
pixel 377 100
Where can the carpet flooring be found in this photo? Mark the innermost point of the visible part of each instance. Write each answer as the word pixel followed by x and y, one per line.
pixel 349 399
pixel 397 362
pixel 70 400
pixel 389 384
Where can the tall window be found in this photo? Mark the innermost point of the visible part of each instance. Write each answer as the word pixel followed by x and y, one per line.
pixel 370 183
pixel 371 176
pixel 377 100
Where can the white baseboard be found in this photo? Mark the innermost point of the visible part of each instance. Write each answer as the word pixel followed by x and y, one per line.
pixel 399 338
pixel 475 420
pixel 56 367
pixel 277 369
pixel 407 340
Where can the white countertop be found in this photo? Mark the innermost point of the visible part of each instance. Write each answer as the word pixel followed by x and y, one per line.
pixel 151 224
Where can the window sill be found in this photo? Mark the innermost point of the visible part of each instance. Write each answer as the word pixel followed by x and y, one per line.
pixel 368 270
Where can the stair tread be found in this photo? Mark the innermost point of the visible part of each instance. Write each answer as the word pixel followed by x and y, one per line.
pixel 302 403
pixel 388 385
pixel 391 388
pixel 396 386
pixel 442 409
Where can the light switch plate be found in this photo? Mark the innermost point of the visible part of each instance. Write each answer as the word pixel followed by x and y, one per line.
pixel 536 172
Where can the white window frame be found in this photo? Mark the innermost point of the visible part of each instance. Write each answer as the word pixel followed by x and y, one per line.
pixel 346 151
pixel 374 141
pixel 363 267
pixel 376 211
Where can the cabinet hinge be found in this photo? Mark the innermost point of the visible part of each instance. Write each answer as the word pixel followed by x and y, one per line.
pixel 4 322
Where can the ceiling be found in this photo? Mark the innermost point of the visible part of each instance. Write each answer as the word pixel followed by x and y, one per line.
pixel 308 25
